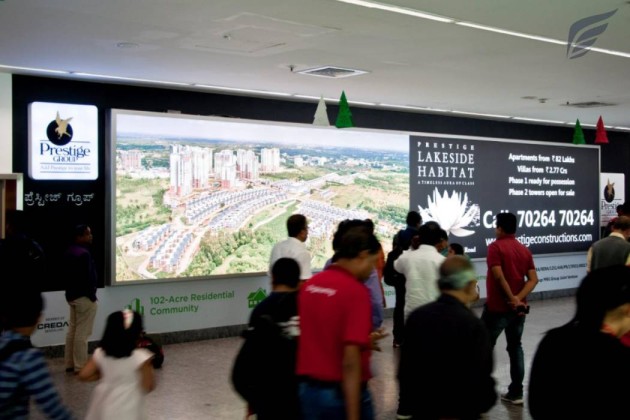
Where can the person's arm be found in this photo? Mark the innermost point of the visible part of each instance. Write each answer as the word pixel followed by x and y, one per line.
pixel 380 263
pixel 37 383
pixel 148 377
pixel 497 272
pixel 380 269
pixel 589 259
pixel 304 261
pixel 90 372
pixel 399 265
pixel 376 336
pixel 351 381
pixel 376 300
pixel 530 284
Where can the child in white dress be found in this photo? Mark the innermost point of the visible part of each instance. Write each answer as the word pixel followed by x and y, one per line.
pixel 125 372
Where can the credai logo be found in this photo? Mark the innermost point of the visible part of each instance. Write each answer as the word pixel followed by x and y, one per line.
pixel 59 149
pixel 53 324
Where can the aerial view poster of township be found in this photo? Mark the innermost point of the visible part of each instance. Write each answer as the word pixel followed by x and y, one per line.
pixel 199 197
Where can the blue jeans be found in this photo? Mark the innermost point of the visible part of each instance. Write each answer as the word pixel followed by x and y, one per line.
pixel 513 324
pixel 325 402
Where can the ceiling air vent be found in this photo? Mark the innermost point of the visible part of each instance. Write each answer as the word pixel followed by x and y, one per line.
pixel 332 72
pixel 589 104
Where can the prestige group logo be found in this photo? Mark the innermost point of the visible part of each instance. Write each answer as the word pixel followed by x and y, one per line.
pixel 59 131
pixel 63 141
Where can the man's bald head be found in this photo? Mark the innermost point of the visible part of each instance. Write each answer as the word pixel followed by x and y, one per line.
pixel 455 273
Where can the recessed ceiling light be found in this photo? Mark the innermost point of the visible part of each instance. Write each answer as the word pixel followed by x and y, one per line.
pixel 480 114
pixel 35 70
pixel 397 9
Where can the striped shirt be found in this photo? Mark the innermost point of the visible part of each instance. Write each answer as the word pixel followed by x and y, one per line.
pixel 23 374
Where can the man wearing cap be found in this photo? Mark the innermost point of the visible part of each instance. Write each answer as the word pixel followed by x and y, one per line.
pixel 446 360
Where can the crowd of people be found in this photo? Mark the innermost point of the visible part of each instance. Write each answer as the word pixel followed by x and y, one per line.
pixel 446 350
pixel 315 333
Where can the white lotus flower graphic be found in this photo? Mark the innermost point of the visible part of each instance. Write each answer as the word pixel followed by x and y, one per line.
pixel 452 213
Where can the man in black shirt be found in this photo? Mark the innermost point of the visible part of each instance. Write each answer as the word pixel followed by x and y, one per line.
pixel 80 276
pixel 269 352
pixel 446 359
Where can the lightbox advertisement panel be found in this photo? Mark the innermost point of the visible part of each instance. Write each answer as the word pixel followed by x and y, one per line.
pixel 552 188
pixel 63 141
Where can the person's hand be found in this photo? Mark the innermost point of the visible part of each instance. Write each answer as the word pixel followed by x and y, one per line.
pixel 375 337
pixel 514 302
pixel 521 309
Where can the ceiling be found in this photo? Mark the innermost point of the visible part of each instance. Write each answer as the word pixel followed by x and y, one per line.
pixel 410 61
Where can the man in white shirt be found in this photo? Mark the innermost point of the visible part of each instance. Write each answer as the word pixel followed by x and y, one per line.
pixel 421 268
pixel 293 247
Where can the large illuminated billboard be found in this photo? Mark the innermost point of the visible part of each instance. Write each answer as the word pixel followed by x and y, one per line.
pixel 197 197
pixel 200 196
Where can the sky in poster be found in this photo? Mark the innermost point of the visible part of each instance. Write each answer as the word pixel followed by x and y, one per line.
pixel 246 131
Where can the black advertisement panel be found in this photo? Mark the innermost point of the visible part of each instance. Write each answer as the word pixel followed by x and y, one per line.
pixel 462 184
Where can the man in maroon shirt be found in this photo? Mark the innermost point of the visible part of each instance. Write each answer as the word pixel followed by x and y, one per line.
pixel 336 333
pixel 510 263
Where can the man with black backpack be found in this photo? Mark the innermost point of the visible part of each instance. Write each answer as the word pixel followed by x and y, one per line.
pixel 269 350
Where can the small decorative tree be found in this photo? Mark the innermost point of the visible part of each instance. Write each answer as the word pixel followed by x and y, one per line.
pixel 578 134
pixel 600 134
pixel 321 116
pixel 344 118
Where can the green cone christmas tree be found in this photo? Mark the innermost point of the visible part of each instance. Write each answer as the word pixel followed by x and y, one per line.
pixel 578 134
pixel 344 118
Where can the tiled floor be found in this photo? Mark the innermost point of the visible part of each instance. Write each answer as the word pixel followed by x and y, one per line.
pixel 194 382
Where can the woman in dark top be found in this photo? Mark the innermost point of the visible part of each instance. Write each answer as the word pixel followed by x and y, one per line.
pixel 581 369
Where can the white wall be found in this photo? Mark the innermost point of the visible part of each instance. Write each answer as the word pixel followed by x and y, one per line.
pixel 6 124
pixel 174 306
pixel 190 305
